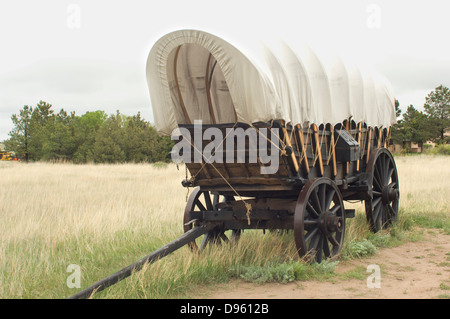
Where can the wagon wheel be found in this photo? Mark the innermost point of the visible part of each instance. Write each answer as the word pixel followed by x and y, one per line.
pixel 201 201
pixel 382 207
pixel 319 220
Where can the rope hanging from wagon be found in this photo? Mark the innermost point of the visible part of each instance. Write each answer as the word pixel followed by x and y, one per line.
pixel 332 149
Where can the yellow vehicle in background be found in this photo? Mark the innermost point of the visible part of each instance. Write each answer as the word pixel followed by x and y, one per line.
pixel 7 156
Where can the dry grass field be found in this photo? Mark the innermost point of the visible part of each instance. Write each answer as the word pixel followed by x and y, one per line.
pixel 104 217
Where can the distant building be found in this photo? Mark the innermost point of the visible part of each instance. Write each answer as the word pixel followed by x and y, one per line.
pixel 395 148
pixel 2 147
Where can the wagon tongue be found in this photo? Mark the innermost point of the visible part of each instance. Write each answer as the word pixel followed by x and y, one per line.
pixel 154 256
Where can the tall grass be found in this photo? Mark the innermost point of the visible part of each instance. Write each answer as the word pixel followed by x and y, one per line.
pixel 105 217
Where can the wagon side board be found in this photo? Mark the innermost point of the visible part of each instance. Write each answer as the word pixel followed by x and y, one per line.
pixel 338 152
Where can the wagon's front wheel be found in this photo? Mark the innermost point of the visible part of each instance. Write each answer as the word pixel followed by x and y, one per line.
pixel 382 206
pixel 319 220
pixel 200 201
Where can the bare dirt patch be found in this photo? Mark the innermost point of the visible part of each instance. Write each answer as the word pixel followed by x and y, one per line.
pixel 414 270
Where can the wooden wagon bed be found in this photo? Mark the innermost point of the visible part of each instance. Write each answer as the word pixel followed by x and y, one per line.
pixel 304 153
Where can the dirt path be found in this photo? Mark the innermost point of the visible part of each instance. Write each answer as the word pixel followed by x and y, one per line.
pixel 414 270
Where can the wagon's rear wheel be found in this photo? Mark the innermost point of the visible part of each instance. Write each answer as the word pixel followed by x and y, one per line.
pixel 319 220
pixel 382 207
pixel 200 201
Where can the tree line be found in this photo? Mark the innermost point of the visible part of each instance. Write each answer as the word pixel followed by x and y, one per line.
pixel 431 124
pixel 40 134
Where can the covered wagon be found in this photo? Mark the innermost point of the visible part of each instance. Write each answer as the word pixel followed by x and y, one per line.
pixel 274 137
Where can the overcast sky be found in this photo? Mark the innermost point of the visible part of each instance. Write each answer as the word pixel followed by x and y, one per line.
pixel 91 55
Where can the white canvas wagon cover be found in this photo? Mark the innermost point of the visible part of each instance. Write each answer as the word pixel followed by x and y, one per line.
pixel 193 75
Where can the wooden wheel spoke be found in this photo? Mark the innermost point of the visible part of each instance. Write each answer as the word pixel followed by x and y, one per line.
pixel 392 212
pixel 378 172
pixel 311 222
pixel 383 168
pixel 326 249
pixel 386 170
pixel 335 209
pixel 319 249
pixel 376 202
pixel 224 237
pixel 312 210
pixel 376 212
pixel 333 241
pixel 377 183
pixel 376 194
pixel 311 234
pixel 329 198
pixel 199 204
pixel 314 244
pixel 389 175
pixel 323 196
pixel 316 201
pixel 208 200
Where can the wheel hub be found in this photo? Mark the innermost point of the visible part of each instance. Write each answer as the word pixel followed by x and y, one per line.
pixel 330 223
pixel 389 194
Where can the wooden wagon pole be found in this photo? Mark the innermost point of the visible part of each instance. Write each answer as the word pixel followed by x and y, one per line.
pixel 380 136
pixel 387 137
pixel 347 166
pixel 333 150
pixel 177 243
pixel 303 157
pixel 369 142
pixel 318 150
pixel 359 132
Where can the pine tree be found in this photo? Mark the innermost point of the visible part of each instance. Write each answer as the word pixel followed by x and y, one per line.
pixel 20 134
pixel 437 106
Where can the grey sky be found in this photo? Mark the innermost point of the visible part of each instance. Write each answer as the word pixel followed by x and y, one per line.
pixel 90 55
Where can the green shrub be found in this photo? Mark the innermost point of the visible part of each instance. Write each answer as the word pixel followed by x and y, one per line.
pixel 358 249
pixel 442 149
pixel 284 272
pixel 160 164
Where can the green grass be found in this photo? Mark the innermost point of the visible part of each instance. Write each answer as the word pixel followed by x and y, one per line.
pixel 439 220
pixel 104 218
pixel 255 258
